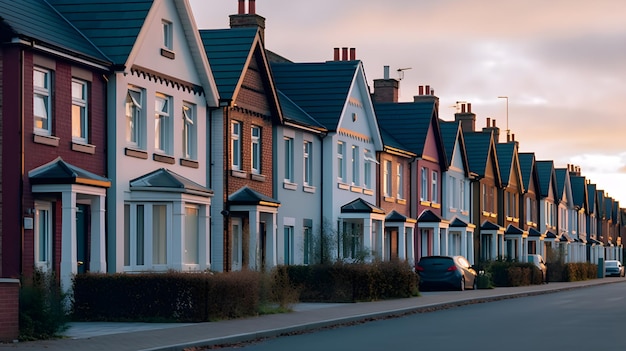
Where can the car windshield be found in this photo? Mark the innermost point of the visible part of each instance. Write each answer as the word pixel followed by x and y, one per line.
pixel 611 263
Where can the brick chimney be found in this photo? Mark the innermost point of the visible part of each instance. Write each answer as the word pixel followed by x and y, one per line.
pixel 250 19
pixel 386 89
pixel 425 93
pixel 465 116
pixel 344 54
pixel 491 127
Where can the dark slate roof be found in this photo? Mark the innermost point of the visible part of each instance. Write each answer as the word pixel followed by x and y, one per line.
pixel 513 230
pixel 608 208
pixel 408 122
pixel 320 88
pixel 247 196
pixel 550 234
pixel 36 19
pixel 112 25
pixel 526 163
pixel 293 113
pixel 458 223
pixel 61 172
pixel 449 132
pixel 166 180
pixel 228 51
pixel 560 173
pixel 579 191
pixel 600 204
pixel 395 216
pixel 564 238
pixel 591 197
pixel 390 141
pixel 361 206
pixel 429 216
pixel 477 146
pixel 545 171
pixel 487 225
pixel 534 232
pixel 506 152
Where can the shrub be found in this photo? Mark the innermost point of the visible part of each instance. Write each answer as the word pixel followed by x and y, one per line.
pixel 42 307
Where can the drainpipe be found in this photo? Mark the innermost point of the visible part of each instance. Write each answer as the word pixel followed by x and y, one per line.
pixel 21 183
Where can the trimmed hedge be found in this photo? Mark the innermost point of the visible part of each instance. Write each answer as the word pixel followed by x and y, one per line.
pixel 350 282
pixel 505 273
pixel 172 296
pixel 571 272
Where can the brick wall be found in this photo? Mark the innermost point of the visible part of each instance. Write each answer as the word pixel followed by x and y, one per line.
pixel 9 309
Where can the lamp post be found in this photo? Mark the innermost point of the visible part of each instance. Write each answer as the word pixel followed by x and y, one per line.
pixel 508 135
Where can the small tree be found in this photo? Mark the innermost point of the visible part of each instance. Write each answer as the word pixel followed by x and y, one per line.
pixel 42 307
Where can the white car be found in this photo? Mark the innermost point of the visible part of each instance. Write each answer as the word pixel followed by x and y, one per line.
pixel 613 268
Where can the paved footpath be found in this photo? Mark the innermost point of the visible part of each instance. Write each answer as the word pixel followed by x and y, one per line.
pixel 172 336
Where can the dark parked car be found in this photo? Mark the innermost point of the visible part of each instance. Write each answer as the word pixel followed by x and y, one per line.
pixel 445 272
pixel 613 268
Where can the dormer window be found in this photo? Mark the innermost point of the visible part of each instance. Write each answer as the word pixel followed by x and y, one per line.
pixel 168 39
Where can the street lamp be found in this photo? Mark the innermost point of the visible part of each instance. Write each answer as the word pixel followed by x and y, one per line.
pixel 508 135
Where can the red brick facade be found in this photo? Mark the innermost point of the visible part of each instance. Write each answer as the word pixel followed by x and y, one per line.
pixel 9 309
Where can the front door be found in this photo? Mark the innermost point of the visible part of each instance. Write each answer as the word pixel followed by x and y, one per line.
pixel 237 244
pixel 82 242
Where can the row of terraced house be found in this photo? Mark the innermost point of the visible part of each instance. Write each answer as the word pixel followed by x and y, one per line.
pixel 133 141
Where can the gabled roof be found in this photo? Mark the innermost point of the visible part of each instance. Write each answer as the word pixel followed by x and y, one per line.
pixel 165 180
pixel 60 172
pixel 507 160
pixel 457 223
pixel 391 143
pixel 361 206
pixel 545 171
pixel 451 134
pixel 513 230
pixel 409 123
pixel 561 178
pixel 429 216
pixel 608 208
pixel 591 198
pixel 112 25
pixel 480 146
pixel 319 88
pixel 294 114
pixel 395 216
pixel 600 203
pixel 527 166
pixel 247 196
pixel 579 191
pixel 37 20
pixel 487 225
pixel 532 232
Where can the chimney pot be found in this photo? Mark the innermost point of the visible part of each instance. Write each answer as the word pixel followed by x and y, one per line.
pixel 344 54
pixel 251 7
pixel 432 92
pixel 336 54
pixel 386 72
pixel 512 137
pixel 427 90
pixel 469 107
pixel 420 90
pixel 352 54
pixel 493 123
pixel 242 7
pixel 462 108
pixel 488 122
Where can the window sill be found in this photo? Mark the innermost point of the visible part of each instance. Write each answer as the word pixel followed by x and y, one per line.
pixel 164 159
pixel 424 203
pixel 46 140
pixel 368 192
pixel 356 189
pixel 343 186
pixel 136 153
pixel 493 215
pixel 85 148
pixel 189 163
pixel 389 199
pixel 401 201
pixel 257 177
pixel 452 210
pixel 308 189
pixel 238 174
pixel 289 185
pixel 168 54
pixel 465 213
pixel 435 205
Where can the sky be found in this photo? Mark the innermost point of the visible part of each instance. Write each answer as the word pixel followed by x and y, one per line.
pixel 560 63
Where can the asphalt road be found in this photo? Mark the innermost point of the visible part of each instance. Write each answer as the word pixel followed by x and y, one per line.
pixel 582 319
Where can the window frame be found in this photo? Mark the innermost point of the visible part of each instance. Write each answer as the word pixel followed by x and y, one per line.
pixel 355 165
pixel 80 104
pixel 44 248
pixel 255 149
pixel 134 117
pixel 163 124
pixel 189 131
pixel 236 141
pixel 341 172
pixel 289 159
pixel 45 92
pixel 168 34
pixel 424 184
pixel 191 236
pixel 400 180
pixel 434 195
pixel 307 155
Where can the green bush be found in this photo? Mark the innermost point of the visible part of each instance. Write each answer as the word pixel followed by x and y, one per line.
pixel 510 273
pixel 42 307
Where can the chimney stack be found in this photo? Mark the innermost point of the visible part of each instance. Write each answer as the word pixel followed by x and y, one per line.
pixel 336 54
pixel 386 89
pixel 493 129
pixel 425 93
pixel 352 54
pixel 466 118
pixel 250 19
pixel 344 54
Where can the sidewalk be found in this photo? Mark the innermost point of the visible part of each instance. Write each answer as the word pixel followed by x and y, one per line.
pixel 172 336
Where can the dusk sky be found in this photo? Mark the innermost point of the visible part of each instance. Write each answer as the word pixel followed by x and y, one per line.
pixel 562 64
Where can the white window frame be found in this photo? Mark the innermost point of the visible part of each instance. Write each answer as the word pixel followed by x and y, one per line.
pixel 80 115
pixel 236 244
pixel 255 149
pixel 400 180
pixel 141 240
pixel 235 144
pixel 341 171
pixel 43 236
pixel 424 182
pixel 369 159
pixel 355 165
pixel 42 95
pixel 189 131
pixel 288 245
pixel 434 196
pixel 307 149
pixel 134 117
pixel 387 178
pixel 191 239
pixel 168 34
pixel 162 123
pixel 289 159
